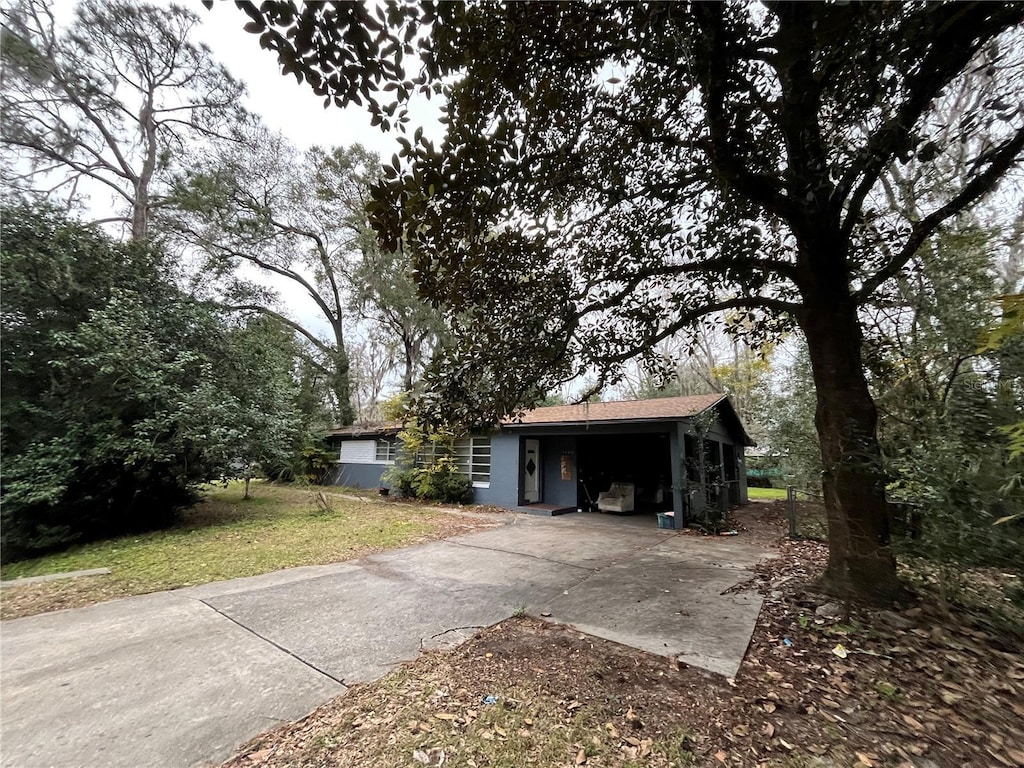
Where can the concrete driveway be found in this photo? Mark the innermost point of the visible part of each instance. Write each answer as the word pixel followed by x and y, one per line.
pixel 183 678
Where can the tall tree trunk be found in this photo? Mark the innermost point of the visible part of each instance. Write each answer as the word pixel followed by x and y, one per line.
pixel 140 205
pixel 341 386
pixel 861 561
pixel 410 361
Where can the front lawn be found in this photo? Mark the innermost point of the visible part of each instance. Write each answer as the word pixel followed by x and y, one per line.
pixel 766 493
pixel 224 537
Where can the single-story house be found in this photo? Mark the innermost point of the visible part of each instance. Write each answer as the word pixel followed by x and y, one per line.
pixel 668 455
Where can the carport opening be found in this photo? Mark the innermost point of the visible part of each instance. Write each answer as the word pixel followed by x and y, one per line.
pixel 644 460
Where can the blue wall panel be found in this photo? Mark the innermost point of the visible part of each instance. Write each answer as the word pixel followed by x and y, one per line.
pixel 555 490
pixel 358 475
pixel 503 490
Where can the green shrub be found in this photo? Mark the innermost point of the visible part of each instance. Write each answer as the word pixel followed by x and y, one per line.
pixel 401 479
pixel 437 480
pixel 120 394
pixel 442 482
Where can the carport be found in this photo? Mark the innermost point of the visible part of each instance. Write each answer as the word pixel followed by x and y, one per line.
pixel 673 454
pixel 641 459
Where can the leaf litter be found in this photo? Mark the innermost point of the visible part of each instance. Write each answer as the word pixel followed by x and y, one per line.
pixel 904 694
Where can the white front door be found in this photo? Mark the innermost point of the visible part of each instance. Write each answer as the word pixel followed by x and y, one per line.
pixel 531 471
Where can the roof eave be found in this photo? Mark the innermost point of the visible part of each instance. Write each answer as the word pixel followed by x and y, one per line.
pixel 590 422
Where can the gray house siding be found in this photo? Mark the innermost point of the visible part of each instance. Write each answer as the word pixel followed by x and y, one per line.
pixel 503 487
pixel 556 489
pixel 358 475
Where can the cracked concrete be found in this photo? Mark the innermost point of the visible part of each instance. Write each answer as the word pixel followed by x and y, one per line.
pixel 182 678
pixel 281 648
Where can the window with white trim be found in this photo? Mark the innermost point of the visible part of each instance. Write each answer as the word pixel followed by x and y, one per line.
pixel 387 450
pixel 429 453
pixel 473 458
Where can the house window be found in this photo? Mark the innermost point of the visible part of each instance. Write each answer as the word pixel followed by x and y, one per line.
pixel 473 458
pixel 356 452
pixel 429 453
pixel 386 451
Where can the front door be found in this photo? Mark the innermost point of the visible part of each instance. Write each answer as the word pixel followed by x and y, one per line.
pixel 531 471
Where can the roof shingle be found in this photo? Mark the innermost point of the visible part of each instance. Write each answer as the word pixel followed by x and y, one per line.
pixel 620 410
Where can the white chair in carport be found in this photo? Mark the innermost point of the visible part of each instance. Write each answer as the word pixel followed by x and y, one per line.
pixel 618 498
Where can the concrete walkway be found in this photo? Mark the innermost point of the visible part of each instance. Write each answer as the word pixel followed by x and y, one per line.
pixel 183 678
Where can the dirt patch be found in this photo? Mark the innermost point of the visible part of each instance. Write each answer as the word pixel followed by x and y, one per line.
pixel 30 599
pixel 923 686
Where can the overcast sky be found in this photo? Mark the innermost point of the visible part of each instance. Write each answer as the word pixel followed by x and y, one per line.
pixel 285 104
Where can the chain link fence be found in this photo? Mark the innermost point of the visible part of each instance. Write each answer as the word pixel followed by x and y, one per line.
pixel 805 512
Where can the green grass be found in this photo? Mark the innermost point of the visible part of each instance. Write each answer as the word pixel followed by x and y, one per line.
pixel 224 537
pixel 766 493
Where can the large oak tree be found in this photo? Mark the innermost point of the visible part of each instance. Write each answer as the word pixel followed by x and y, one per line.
pixel 297 217
pixel 613 173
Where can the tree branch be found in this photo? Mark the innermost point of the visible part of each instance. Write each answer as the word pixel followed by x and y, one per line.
pixel 64 160
pixel 320 345
pixel 687 318
pixel 961 34
pixel 999 160
pixel 758 188
pixel 780 268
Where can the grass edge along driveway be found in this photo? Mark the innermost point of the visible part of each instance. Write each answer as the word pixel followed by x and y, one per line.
pixel 223 537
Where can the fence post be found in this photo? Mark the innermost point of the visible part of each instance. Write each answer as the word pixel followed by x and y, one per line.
pixel 791 510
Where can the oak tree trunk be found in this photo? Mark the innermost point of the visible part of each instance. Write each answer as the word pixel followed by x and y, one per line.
pixel 410 361
pixel 861 562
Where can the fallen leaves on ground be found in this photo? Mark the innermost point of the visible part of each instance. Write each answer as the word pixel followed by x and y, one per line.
pixel 45 596
pixel 921 687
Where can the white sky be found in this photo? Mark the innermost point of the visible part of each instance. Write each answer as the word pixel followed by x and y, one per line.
pixel 282 102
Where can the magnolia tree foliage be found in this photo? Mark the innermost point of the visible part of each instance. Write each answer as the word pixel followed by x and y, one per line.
pixel 120 394
pixel 615 173
pixel 109 106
